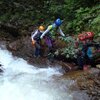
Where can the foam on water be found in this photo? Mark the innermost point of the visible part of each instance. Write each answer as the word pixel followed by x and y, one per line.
pixel 21 81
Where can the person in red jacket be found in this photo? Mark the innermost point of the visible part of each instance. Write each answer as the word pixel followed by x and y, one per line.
pixel 86 55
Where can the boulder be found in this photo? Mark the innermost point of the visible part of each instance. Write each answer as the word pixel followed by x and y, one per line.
pixel 98 66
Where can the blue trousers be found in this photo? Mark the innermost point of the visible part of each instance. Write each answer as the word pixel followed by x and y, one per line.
pixel 37 49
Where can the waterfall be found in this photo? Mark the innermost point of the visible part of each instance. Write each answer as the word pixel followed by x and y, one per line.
pixel 22 81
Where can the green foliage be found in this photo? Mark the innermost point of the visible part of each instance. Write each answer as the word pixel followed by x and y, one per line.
pixel 75 12
pixel 69 51
pixel 95 25
pixel 78 15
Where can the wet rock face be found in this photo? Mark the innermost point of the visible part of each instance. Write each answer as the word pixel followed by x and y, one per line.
pixel 87 81
pixel 94 92
pixel 14 46
pixel 21 47
pixel 1 70
pixel 91 84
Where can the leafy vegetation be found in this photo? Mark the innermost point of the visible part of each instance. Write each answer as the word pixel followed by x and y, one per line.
pixel 78 15
pixel 69 51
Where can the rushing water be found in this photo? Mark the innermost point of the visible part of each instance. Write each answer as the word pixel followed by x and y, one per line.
pixel 21 81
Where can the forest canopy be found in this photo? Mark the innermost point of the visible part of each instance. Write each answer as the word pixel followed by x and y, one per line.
pixel 78 15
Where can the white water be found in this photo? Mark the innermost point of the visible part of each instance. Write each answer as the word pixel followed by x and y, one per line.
pixel 21 81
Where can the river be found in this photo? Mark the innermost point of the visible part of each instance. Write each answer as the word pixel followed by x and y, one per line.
pixel 22 81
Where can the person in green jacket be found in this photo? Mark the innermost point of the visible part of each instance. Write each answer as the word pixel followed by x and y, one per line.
pixel 48 32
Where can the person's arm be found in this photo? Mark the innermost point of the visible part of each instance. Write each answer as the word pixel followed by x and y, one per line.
pixel 33 35
pixel 45 32
pixel 61 32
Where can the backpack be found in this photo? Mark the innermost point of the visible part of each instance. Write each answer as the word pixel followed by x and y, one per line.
pixel 37 37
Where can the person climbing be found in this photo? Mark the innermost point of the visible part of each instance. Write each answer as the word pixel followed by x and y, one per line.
pixel 91 48
pixel 90 54
pixel 82 58
pixel 48 33
pixel 88 49
pixel 36 41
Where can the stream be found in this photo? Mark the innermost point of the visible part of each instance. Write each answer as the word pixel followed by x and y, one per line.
pixel 22 81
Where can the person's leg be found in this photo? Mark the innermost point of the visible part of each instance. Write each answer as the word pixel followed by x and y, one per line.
pixel 92 62
pixel 37 49
pixel 80 63
pixel 49 43
pixel 50 55
pixel 36 52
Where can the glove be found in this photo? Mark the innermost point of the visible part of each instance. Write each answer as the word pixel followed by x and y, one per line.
pixel 33 42
pixel 63 37
pixel 41 37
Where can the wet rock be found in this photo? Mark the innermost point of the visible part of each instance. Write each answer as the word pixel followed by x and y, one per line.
pixel 67 66
pixel 95 98
pixel 22 47
pixel 98 66
pixel 97 82
pixel 15 45
pixel 1 69
pixel 88 81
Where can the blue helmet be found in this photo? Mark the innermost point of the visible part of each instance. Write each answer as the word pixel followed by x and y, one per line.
pixel 58 22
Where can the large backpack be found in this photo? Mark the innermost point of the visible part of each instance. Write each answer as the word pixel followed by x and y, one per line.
pixel 37 37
